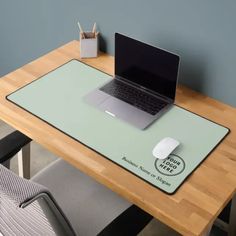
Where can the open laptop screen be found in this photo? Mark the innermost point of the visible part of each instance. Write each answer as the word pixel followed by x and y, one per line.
pixel 146 66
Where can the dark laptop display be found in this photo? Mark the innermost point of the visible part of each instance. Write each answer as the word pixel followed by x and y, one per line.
pixel 146 66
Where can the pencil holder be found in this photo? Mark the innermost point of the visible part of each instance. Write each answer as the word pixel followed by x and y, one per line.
pixel 88 44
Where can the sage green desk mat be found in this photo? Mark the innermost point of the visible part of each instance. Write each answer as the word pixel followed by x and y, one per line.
pixel 57 98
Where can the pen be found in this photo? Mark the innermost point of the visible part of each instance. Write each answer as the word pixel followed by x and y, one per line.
pixel 94 28
pixel 81 30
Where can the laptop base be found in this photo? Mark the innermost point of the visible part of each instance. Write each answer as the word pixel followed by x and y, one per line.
pixel 122 110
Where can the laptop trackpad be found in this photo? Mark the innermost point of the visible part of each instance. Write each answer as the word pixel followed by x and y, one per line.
pixel 118 108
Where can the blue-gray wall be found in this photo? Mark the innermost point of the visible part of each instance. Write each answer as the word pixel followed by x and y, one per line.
pixel 202 32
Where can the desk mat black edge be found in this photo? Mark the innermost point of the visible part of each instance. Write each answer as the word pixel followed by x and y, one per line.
pixel 169 193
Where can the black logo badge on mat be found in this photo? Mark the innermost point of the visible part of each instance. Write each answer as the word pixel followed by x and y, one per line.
pixel 171 166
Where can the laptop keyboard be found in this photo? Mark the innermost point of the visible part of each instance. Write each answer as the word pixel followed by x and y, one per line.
pixel 133 96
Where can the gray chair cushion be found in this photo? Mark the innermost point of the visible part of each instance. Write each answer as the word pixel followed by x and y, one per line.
pixel 16 221
pixel 27 221
pixel 10 183
pixel 88 205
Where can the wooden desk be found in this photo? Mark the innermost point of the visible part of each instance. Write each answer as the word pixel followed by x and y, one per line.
pixel 193 208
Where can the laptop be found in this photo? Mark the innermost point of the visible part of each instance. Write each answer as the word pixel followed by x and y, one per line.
pixel 144 84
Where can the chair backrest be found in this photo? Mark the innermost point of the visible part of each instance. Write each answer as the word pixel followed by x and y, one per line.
pixel 27 208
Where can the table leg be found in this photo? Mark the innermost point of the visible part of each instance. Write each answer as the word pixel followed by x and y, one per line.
pixel 24 161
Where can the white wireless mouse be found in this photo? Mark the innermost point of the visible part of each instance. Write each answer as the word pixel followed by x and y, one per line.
pixel 165 147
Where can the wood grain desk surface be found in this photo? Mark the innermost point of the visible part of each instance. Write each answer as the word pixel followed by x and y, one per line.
pixel 198 201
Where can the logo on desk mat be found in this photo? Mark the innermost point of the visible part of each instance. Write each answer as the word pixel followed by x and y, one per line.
pixel 171 166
